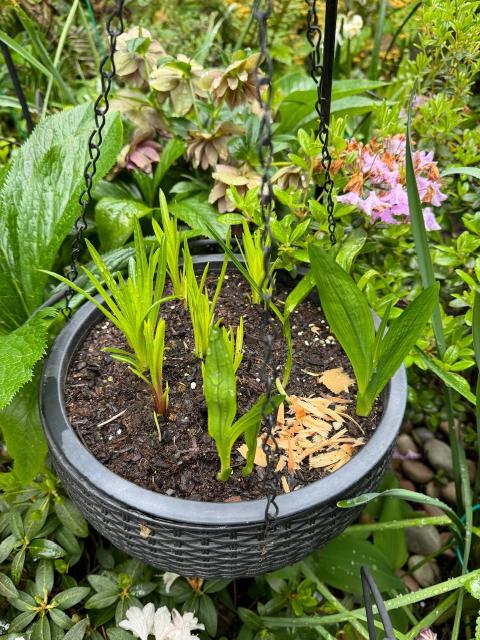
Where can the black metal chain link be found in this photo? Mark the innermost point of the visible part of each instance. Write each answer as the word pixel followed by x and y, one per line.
pixel 314 37
pixel 262 10
pixel 114 29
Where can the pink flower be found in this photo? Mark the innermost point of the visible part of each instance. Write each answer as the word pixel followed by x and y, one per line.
pixel 426 634
pixel 378 183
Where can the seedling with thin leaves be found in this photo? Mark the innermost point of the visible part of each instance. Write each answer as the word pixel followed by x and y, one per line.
pixel 133 306
pixel 252 252
pixel 220 390
pixel 201 308
pixel 169 235
pixel 375 355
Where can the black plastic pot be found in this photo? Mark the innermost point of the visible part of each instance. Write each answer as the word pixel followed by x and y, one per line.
pixel 202 538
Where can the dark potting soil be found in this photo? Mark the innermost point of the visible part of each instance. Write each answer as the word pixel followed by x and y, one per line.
pixel 112 411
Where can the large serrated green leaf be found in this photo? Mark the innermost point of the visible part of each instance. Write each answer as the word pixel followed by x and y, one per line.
pixel 198 214
pixel 39 203
pixel 19 352
pixel 22 432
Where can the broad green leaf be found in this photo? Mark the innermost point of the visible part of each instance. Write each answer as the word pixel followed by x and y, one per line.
pixel 71 597
pixel 77 632
pixel 170 152
pixel 393 543
pixel 22 432
pixel 16 524
pixel 34 520
pixel 353 106
pixel 41 629
pixel 301 290
pixel 118 634
pixel 60 619
pixel 20 350
pixel 207 615
pixel 71 517
pixel 350 248
pixel 473 172
pixel 101 600
pixel 453 380
pixel 23 620
pixel 34 221
pixel 354 86
pixel 215 585
pixel 220 391
pixel 346 310
pixel 44 548
pixel 7 588
pixel 18 563
pixel 44 577
pixel 115 220
pixel 338 564
pixel 199 214
pixel 399 340
pixel 103 584
pixel 7 545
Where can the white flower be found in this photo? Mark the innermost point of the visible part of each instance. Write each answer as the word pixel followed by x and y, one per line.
pixel 162 624
pixel 169 578
pixel 139 621
pixel 352 26
pixel 184 625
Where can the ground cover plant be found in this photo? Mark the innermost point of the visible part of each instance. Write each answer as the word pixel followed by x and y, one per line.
pixel 179 162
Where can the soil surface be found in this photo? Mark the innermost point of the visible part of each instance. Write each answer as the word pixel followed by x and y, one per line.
pixel 112 410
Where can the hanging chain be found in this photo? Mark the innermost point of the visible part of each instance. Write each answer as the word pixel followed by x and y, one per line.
pixel 314 37
pixel 101 106
pixel 262 10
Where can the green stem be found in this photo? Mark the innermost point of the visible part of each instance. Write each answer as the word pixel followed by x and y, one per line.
pixel 58 53
pixel 400 524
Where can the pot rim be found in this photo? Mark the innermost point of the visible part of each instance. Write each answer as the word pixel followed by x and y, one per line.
pixel 65 443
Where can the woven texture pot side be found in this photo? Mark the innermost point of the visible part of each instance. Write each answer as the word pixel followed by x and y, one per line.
pixel 204 539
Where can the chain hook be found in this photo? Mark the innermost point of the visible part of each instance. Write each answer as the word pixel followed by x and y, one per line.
pixel 262 10
pixel 100 109
pixel 321 69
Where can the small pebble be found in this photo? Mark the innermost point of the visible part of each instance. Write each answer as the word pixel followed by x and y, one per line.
pixel 405 444
pixel 423 540
pixel 421 434
pixel 426 575
pixel 432 489
pixel 407 484
pixel 448 493
pixel 417 471
pixel 193 385
pixel 439 456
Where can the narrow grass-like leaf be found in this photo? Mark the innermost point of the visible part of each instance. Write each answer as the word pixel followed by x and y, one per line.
pixel 476 348
pixel 412 496
pixel 428 278
pixel 301 290
pixel 347 312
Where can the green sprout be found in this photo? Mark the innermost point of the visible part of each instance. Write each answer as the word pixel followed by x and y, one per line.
pixel 201 308
pixel 252 252
pixel 173 240
pixel 133 306
pixel 220 390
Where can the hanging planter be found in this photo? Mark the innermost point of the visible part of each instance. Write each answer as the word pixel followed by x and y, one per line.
pixel 194 537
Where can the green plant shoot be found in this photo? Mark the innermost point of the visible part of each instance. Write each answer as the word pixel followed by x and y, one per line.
pixel 234 342
pixel 220 390
pixel 201 308
pixel 251 249
pixel 133 306
pixel 375 355
pixel 173 240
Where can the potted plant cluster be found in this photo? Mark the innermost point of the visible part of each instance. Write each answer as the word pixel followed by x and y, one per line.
pixel 152 402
